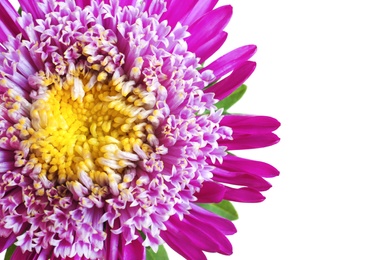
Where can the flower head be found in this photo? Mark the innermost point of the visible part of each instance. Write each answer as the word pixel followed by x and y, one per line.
pixel 111 133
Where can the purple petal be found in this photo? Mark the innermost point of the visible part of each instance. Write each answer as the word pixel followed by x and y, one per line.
pixel 210 192
pixel 201 7
pixel 8 24
pixel 133 251
pixel 243 195
pixel 241 179
pixel 177 9
pixel 241 142
pixel 32 7
pixel 248 124
pixel 5 242
pixel 231 60
pixel 226 86
pixel 238 164
pixel 215 21
pixel 182 245
pixel 220 223
pixel 209 48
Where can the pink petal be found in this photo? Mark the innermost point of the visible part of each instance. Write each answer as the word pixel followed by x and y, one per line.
pixel 209 48
pixel 133 251
pixel 248 124
pixel 201 7
pixel 182 245
pixel 210 192
pixel 241 179
pixel 231 60
pixel 6 242
pixel 243 195
pixel 8 24
pixel 225 87
pixel 241 142
pixel 220 223
pixel 238 164
pixel 29 6
pixel 84 3
pixel 177 9
pixel 215 21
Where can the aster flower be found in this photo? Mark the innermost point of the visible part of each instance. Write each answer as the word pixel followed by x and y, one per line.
pixel 114 137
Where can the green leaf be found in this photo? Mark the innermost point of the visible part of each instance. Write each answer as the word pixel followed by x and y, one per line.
pixel 20 11
pixel 230 100
pixel 160 255
pixel 9 252
pixel 224 209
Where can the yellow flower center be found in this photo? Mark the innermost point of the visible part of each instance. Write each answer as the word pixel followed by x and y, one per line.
pixel 90 123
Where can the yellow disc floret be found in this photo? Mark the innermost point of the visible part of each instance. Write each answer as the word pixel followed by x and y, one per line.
pixel 89 123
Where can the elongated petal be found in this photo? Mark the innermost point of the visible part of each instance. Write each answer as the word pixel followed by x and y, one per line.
pixel 231 60
pixel 201 7
pixel 210 192
pixel 238 164
pixel 241 142
pixel 8 24
pixel 6 242
pixel 220 223
pixel 215 20
pixel 243 195
pixel 177 9
pixel 32 7
pixel 133 251
pixel 225 87
pixel 241 179
pixel 209 48
pixel 183 245
pixel 249 124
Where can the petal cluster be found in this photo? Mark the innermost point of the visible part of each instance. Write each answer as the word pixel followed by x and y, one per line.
pixel 109 130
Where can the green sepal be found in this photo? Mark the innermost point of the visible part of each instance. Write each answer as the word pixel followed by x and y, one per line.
pixel 224 209
pixel 160 255
pixel 230 100
pixel 20 11
pixel 9 252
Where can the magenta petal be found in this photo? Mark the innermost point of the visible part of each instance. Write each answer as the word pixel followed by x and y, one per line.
pixel 238 164
pixel 241 179
pixel 209 48
pixel 243 195
pixel 248 124
pixel 113 244
pixel 220 223
pixel 181 244
pixel 211 234
pixel 225 87
pixel 19 255
pixel 84 3
pixel 6 242
pixel 29 6
pixel 215 21
pixel 241 142
pixel 231 60
pixel 133 251
pixel 177 9
pixel 8 24
pixel 201 7
pixel 210 192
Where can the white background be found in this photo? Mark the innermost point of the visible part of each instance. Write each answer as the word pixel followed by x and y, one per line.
pixel 323 72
